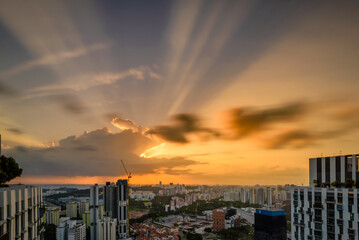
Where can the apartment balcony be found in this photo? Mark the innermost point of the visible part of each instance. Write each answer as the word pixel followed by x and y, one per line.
pixel 5 236
pixel 309 212
pixel 318 235
pixel 340 222
pixel 340 207
pixel 299 223
pixel 318 220
pixel 42 211
pixel 330 200
pixel 40 227
pixel 331 223
pixel 318 205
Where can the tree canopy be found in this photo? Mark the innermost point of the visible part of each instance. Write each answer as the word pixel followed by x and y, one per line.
pixel 9 169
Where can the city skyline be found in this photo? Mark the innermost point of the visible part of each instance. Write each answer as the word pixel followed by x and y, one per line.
pixel 193 92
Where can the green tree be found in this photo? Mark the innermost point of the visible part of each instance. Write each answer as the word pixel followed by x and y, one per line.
pixel 194 236
pixel 9 169
pixel 335 184
pixel 50 232
pixel 349 183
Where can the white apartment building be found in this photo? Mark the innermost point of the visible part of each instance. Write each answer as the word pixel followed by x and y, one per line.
pixel 142 195
pixel 324 213
pixel 231 196
pixel 70 230
pixel 325 170
pixel 106 229
pixel 21 212
pixel 327 211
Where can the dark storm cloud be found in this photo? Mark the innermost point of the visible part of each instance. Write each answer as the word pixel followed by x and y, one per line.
pixel 6 90
pixel 266 125
pixel 183 125
pixel 295 138
pixel 246 121
pixel 70 104
pixel 95 153
pixel 16 131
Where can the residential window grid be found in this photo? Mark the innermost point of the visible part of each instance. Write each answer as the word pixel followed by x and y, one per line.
pixel 17 213
pixel 325 217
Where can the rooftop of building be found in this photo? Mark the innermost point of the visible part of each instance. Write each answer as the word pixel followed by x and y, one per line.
pixel 53 208
pixel 270 212
pixel 16 186
pixel 334 155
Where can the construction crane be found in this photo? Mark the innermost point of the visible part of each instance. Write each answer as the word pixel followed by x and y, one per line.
pixel 128 174
pixel 128 195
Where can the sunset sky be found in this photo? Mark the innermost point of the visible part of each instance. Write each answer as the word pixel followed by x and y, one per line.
pixel 194 92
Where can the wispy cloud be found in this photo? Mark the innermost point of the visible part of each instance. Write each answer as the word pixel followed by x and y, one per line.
pixel 124 124
pixel 6 90
pixel 53 59
pixel 86 81
pixel 184 125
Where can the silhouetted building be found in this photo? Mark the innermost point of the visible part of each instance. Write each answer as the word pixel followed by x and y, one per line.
pixel 270 225
pixel 116 205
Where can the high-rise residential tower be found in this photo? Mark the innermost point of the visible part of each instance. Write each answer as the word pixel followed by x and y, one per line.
pixel 21 213
pixel 116 205
pixel 71 209
pixel 70 230
pixel 106 229
pixel 52 215
pixel 326 170
pixel 94 210
pixel 329 208
pixel 122 216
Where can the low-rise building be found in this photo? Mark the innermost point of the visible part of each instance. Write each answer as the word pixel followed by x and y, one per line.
pixel 142 195
pixel 225 218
